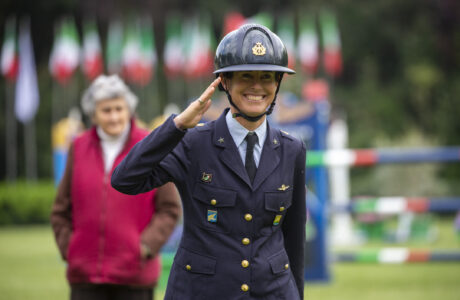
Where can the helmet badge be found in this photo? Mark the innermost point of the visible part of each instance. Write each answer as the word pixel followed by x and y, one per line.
pixel 258 49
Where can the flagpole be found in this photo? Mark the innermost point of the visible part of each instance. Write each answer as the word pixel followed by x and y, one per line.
pixel 11 135
pixel 30 144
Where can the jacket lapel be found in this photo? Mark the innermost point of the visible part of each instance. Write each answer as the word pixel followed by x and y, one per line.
pixel 269 159
pixel 229 154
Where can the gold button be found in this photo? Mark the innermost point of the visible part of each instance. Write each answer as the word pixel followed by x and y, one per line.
pixel 281 208
pixel 246 241
pixel 286 266
pixel 245 264
pixel 248 217
pixel 213 202
pixel 188 267
pixel 245 287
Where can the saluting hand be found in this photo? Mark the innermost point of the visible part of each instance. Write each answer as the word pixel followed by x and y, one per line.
pixel 194 112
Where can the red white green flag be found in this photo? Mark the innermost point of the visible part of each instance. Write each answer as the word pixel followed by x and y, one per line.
pixel 286 34
pixel 131 53
pixel 208 47
pixel 191 45
pixel 92 53
pixel 174 57
pixel 139 56
pixel 148 52
pixel 198 43
pixel 10 59
pixel 114 47
pixel 331 41
pixel 308 45
pixel 65 56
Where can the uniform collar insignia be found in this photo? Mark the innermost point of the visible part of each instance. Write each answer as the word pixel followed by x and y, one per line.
pixel 275 141
pixel 221 140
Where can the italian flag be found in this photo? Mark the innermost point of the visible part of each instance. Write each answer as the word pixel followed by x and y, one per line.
pixel 198 47
pixel 139 56
pixel 308 45
pixel 174 57
pixel 286 34
pixel 131 53
pixel 331 41
pixel 92 53
pixel 148 54
pixel 208 48
pixel 65 55
pixel 10 59
pixel 114 47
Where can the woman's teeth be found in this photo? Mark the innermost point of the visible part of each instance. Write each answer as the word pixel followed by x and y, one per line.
pixel 254 97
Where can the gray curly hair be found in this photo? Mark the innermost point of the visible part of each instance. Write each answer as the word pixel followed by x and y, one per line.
pixel 107 87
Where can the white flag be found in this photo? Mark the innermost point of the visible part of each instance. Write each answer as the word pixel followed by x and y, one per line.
pixel 27 96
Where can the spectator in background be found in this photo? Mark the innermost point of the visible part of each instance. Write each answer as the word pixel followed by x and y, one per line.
pixel 111 241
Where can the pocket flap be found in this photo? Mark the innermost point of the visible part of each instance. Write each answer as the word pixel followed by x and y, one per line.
pixel 217 197
pixel 195 263
pixel 279 262
pixel 278 201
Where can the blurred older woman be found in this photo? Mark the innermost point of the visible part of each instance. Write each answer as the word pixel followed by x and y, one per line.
pixel 111 246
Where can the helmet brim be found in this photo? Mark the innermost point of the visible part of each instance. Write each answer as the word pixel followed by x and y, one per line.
pixel 254 67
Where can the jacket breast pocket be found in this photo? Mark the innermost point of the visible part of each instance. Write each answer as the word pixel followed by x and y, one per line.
pixel 276 205
pixel 214 208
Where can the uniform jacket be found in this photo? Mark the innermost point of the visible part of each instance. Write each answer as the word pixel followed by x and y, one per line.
pixel 240 240
pixel 99 230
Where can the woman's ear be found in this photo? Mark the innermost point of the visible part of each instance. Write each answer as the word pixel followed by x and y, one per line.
pixel 223 81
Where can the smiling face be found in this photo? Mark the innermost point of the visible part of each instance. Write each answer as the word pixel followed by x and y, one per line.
pixel 251 91
pixel 112 115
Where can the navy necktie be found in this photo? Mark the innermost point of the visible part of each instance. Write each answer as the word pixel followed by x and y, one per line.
pixel 250 163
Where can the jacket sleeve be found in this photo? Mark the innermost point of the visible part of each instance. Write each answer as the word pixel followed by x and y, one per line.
pixel 167 213
pixel 294 223
pixel 158 158
pixel 61 211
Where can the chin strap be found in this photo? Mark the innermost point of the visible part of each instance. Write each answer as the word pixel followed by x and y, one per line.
pixel 256 118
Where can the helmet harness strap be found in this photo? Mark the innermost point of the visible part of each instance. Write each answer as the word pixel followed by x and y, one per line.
pixel 256 118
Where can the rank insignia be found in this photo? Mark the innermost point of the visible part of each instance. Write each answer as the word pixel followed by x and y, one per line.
pixel 283 187
pixel 221 140
pixel 258 49
pixel 285 132
pixel 212 216
pixel 206 177
pixel 275 141
pixel 277 220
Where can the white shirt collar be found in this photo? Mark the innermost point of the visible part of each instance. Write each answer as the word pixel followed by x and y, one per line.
pixel 109 138
pixel 238 132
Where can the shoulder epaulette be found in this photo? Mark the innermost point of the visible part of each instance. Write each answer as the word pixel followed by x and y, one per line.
pixel 202 126
pixel 286 134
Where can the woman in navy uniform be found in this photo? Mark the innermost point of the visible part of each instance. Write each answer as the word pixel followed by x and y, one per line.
pixel 242 183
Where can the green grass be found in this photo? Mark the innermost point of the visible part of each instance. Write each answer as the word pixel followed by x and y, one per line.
pixel 30 268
